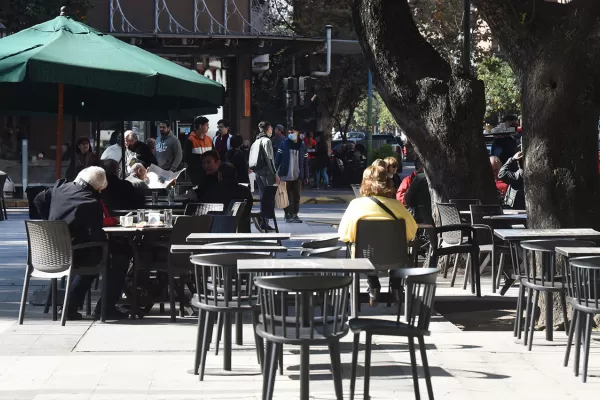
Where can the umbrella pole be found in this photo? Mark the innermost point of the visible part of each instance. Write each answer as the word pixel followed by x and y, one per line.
pixel 98 138
pixel 61 98
pixel 73 142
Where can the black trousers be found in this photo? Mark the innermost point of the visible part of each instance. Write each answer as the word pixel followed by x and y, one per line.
pixel 293 191
pixel 121 254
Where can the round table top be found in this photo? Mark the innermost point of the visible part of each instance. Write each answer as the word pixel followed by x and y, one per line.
pixel 586 262
pixel 549 246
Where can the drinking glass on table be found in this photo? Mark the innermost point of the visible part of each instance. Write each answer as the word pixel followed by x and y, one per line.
pixel 168 217
pixel 141 216
pixel 154 197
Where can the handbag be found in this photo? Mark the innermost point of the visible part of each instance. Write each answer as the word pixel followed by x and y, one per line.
pixel 281 196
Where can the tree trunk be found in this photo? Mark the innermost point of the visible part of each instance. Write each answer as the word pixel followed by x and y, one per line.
pixel 545 44
pixel 440 110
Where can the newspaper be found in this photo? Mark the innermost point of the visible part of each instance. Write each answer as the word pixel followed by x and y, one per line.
pixel 158 178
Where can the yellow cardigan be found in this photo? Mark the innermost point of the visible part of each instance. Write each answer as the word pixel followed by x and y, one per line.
pixel 365 208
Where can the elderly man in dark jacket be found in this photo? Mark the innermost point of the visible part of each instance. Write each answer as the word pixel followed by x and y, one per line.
pixel 291 160
pixel 229 189
pixel 120 194
pixel 78 204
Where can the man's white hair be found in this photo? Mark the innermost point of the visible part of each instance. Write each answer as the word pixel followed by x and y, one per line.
pixel 131 134
pixel 136 168
pixel 93 176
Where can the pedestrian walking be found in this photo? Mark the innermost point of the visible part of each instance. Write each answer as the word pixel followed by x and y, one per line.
pixel 291 160
pixel 261 162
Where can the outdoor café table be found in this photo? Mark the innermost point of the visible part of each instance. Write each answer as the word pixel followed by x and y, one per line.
pixel 516 236
pixel 230 237
pixel 571 252
pixel 228 248
pixel 354 266
pixel 507 219
pixel 506 211
pixel 134 234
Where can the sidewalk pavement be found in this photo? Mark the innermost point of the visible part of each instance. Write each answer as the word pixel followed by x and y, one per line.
pixel 152 358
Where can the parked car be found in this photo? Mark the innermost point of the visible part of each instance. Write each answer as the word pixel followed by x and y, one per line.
pixel 356 135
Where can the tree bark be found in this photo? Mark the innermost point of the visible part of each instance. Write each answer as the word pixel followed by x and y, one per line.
pixel 553 48
pixel 440 109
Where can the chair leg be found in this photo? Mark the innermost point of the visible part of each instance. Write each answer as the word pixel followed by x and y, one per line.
pixel 88 302
pixel 563 306
pixel 500 270
pixel 269 373
pixel 28 270
pixel 48 299
pixel 199 342
pixel 367 366
pixel 425 367
pixel 578 329
pixel 468 271
pixel 239 327
pixel 519 314
pixel 208 329
pixel 65 308
pixel 493 263
pixel 413 365
pixel 54 285
pixel 104 294
pixel 446 265
pixel 304 372
pixel 336 369
pixel 354 364
pixel 527 315
pixel 280 359
pixel 570 339
pixel 258 341
pixel 476 282
pixel 454 270
pixel 536 297
pixel 220 320
pixel 173 311
pixel 586 345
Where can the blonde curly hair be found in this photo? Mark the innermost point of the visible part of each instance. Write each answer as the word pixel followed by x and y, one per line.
pixel 380 163
pixel 374 182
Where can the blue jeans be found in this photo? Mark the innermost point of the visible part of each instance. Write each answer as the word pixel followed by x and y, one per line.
pixel 318 173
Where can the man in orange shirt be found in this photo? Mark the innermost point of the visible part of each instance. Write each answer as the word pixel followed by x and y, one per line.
pixel 197 144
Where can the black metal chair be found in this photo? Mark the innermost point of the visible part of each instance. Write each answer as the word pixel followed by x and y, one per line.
pixel 267 208
pixel 238 209
pixel 487 241
pixel 420 295
pixel 454 242
pixel 547 280
pixel 221 291
pixel 321 243
pixel 3 213
pixel 196 209
pixel 583 293
pixel 464 204
pixel 324 323
pixel 50 256
pixel 384 243
pixel 466 243
pixel 179 264
pixel 224 224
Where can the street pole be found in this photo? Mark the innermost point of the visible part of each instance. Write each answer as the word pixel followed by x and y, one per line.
pixel 289 107
pixel 370 120
pixel 467 37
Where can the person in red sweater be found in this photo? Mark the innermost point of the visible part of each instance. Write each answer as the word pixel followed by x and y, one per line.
pixel 407 181
pixel 496 165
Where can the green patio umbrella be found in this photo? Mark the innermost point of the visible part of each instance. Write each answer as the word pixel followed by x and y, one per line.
pixel 66 67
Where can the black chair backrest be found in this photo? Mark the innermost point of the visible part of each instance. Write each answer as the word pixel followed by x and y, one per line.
pixel 583 283
pixel 184 225
pixel 236 207
pixel 463 204
pixel 420 296
pixel 477 214
pixel 267 202
pixel 223 224
pixel 541 253
pixel 203 208
pixel 327 293
pixel 218 282
pixel 449 215
pixel 239 209
pixel 383 242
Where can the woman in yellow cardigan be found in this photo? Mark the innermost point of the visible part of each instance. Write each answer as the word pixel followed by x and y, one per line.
pixel 374 184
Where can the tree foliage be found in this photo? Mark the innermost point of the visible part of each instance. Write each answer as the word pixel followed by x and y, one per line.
pixel 502 94
pixel 17 15
pixel 381 115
